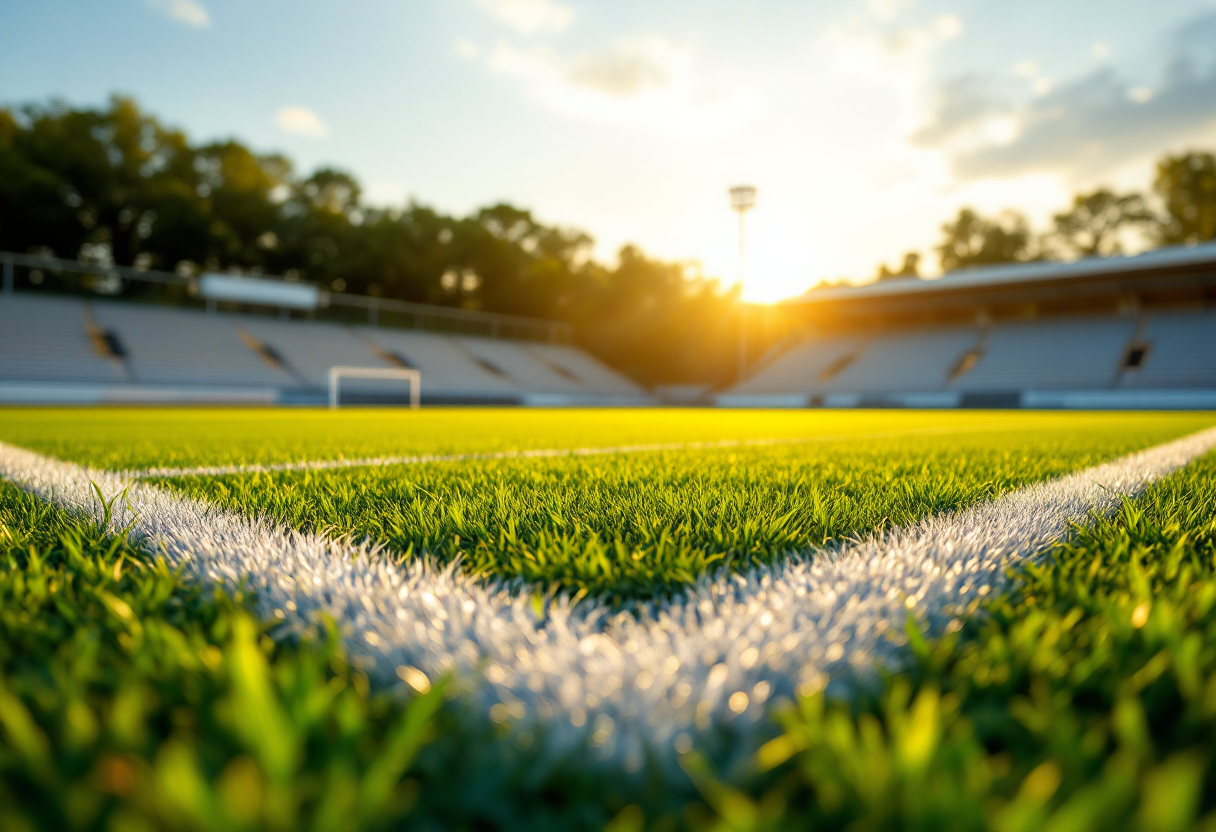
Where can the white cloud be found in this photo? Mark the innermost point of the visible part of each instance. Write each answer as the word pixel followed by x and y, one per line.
pixel 947 27
pixel 189 12
pixel 643 82
pixel 1025 69
pixel 529 16
pixel 1100 51
pixel 465 48
pixel 301 121
pixel 1078 128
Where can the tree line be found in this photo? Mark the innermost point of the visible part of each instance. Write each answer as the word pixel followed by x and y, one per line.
pixel 1181 209
pixel 116 186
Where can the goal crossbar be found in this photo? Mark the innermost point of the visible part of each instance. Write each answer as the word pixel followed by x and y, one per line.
pixel 412 376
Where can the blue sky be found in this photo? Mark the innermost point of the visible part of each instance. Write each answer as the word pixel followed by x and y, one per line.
pixel 864 125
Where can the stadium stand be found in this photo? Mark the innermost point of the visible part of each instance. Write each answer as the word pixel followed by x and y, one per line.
pixel 1136 332
pixel 45 338
pixel 1179 351
pixel 1073 353
pixel 66 350
pixel 170 346
pixel 915 360
pixel 1102 332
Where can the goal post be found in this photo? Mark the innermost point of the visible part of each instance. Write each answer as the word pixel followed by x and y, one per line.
pixel 412 377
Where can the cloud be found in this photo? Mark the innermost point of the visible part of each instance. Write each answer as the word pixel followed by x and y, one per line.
pixel 530 16
pixel 643 81
pixel 1025 69
pixel 465 48
pixel 1085 126
pixel 920 40
pixel 189 12
pixel 301 121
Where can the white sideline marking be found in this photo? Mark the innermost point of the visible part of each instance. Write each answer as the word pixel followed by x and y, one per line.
pixel 534 453
pixel 629 683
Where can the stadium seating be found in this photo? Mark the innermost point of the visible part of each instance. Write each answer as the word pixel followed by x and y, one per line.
pixel 1181 351
pixel 170 346
pixel 46 338
pixel 912 360
pixel 1066 353
pixel 1028 361
pixel 444 366
pixel 799 368
pixel 150 353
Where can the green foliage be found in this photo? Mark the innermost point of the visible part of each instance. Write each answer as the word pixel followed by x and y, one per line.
pixel 1186 183
pixel 973 240
pixel 131 699
pixel 1094 223
pixel 1085 700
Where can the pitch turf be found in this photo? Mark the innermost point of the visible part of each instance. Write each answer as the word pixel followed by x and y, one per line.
pixel 132 698
pixel 620 525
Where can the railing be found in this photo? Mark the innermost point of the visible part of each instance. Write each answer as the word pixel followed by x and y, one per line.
pixel 182 290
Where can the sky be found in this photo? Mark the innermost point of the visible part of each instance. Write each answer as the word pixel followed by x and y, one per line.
pixel 864 125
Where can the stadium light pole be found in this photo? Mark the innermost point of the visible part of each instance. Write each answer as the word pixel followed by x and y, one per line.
pixel 742 199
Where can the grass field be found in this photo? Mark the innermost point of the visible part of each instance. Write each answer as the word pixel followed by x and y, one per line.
pixel 132 696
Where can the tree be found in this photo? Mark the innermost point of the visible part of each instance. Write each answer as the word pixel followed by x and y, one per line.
pixel 973 240
pixel 910 268
pixel 71 179
pixel 1186 185
pixel 1093 225
pixel 114 184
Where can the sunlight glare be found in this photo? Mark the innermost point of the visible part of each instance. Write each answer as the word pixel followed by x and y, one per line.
pixel 780 258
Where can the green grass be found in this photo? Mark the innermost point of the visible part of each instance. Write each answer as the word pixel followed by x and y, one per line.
pixel 638 526
pixel 1084 700
pixel 132 699
pixel 124 437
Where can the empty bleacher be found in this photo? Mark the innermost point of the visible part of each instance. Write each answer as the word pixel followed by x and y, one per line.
pixel 517 362
pixel 590 373
pixel 1002 363
pixel 800 367
pixel 1062 354
pixel 150 353
pixel 47 338
pixel 445 368
pixel 1179 351
pixel 915 360
pixel 170 346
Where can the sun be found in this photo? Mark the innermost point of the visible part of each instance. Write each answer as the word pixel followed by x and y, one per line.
pixel 780 258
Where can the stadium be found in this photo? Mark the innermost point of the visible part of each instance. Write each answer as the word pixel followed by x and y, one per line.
pixel 1098 333
pixel 323 511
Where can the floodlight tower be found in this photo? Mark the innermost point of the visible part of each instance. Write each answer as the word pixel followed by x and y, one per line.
pixel 742 199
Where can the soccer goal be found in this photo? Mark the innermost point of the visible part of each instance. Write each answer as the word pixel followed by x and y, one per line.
pixel 336 374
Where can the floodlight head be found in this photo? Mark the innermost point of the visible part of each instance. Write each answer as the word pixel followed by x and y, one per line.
pixel 742 197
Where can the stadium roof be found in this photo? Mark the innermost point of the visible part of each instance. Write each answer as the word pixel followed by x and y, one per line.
pixel 1017 275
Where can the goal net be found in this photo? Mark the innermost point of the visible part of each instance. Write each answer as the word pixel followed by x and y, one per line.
pixel 411 377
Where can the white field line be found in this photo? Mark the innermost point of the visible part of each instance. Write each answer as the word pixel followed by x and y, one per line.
pixel 535 453
pixel 699 668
